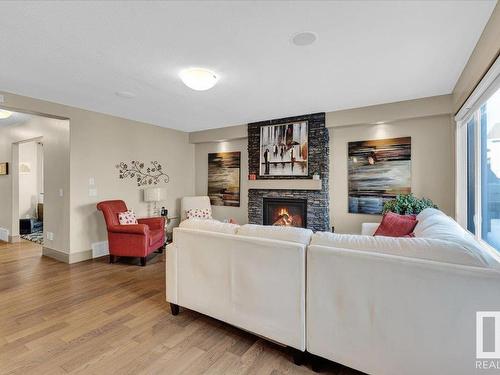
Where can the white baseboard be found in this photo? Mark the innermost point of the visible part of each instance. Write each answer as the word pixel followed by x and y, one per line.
pixel 100 249
pixel 65 257
pixel 61 256
pixel 80 256
pixel 4 234
pixel 14 239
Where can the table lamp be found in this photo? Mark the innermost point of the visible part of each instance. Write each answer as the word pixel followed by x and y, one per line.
pixel 155 195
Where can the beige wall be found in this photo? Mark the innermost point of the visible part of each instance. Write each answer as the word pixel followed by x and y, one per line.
pixel 432 164
pixel 102 143
pixel 483 56
pixel 98 142
pixel 427 121
pixel 240 214
pixel 55 134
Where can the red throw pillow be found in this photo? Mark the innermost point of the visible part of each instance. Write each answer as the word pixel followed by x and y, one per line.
pixel 394 225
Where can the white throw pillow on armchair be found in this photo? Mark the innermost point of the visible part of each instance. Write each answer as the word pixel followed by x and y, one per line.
pixel 199 213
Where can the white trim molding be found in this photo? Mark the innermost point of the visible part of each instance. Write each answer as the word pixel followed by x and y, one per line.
pixel 470 111
pixel 483 90
pixel 64 257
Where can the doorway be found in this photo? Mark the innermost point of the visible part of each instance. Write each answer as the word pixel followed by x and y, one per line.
pixel 31 190
pixel 34 189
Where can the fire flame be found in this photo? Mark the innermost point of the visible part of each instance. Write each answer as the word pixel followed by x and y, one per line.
pixel 283 211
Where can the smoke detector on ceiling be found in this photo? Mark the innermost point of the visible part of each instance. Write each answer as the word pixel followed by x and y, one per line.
pixel 304 38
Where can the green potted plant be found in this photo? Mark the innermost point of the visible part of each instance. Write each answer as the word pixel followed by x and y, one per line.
pixel 408 204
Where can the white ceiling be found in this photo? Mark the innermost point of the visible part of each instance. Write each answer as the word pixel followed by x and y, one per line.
pixel 367 52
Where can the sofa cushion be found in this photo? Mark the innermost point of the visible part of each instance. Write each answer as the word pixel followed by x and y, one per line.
pixel 290 234
pixel 423 248
pixel 437 225
pixel 209 225
pixel 434 224
pixel 428 212
pixel 394 225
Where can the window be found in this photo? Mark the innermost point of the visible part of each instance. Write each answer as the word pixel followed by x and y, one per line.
pixel 478 181
pixel 490 170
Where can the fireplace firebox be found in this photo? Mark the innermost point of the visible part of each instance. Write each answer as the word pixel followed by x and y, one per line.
pixel 285 212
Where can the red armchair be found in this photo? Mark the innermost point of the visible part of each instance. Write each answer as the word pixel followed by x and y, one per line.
pixel 136 240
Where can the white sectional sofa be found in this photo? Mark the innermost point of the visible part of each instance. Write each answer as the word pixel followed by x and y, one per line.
pixel 377 304
pixel 400 305
pixel 252 277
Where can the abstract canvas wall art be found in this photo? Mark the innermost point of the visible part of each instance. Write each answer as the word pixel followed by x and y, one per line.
pixel 224 178
pixel 378 170
pixel 284 149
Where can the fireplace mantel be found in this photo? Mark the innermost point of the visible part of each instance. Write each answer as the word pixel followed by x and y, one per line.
pixel 292 184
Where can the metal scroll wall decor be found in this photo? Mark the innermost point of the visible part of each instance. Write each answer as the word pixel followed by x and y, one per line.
pixel 143 175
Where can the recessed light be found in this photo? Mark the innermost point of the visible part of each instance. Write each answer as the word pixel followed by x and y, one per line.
pixel 379 122
pixel 198 79
pixel 125 94
pixel 5 114
pixel 304 38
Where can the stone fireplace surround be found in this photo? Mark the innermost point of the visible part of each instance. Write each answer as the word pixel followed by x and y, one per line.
pixel 318 154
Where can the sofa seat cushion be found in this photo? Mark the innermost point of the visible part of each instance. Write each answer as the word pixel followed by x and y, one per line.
pixel 422 248
pixel 155 235
pixel 290 234
pixel 210 225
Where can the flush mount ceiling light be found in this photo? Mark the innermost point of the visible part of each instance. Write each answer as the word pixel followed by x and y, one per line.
pixel 125 94
pixel 198 79
pixel 304 38
pixel 5 114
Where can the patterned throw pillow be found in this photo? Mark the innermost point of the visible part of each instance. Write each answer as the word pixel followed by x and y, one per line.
pixel 199 213
pixel 127 218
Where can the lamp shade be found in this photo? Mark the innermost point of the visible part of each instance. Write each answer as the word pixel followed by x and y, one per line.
pixel 154 194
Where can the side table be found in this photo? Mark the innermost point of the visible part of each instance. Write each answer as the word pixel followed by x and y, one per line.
pixel 168 233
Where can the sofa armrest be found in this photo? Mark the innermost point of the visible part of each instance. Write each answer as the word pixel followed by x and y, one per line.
pixel 141 229
pixel 368 229
pixel 153 222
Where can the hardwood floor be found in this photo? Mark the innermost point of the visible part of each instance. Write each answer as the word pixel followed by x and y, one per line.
pixel 99 318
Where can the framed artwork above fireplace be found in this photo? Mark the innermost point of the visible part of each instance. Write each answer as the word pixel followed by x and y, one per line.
pixel 284 149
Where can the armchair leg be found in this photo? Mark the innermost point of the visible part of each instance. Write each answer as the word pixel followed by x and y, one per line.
pixel 143 261
pixel 112 258
pixel 174 308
